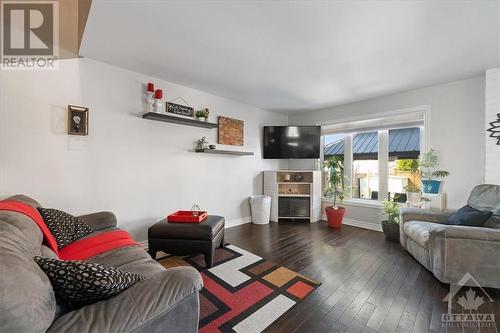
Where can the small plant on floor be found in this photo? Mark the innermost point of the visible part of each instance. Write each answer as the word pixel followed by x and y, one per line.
pixel 391 209
pixel 391 225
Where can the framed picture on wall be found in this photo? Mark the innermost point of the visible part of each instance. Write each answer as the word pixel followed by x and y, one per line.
pixel 231 131
pixel 78 120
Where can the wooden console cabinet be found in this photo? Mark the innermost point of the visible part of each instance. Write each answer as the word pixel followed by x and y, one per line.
pixel 295 194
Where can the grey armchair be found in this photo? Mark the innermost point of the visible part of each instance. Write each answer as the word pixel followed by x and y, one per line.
pixel 450 251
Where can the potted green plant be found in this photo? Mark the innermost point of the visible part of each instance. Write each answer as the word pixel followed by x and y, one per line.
pixel 429 163
pixel 335 190
pixel 390 227
pixel 202 114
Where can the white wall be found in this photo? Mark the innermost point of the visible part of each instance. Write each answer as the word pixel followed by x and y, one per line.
pixel 142 170
pixel 456 131
pixel 139 169
pixel 492 109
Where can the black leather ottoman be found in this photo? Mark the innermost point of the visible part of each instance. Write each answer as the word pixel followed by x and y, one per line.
pixel 187 238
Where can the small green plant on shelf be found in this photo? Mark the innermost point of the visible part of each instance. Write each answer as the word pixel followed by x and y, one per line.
pixel 391 209
pixel 336 181
pixel 202 114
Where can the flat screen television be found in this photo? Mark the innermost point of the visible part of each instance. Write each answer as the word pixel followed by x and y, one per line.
pixel 292 141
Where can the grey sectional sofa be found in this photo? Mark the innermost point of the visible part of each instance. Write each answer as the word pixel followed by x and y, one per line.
pixel 166 301
pixel 450 251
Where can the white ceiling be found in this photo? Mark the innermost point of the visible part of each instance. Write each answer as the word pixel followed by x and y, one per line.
pixel 293 56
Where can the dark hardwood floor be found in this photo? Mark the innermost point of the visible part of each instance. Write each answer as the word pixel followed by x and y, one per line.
pixel 368 283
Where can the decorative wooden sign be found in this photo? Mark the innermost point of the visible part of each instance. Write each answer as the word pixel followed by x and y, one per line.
pixel 230 131
pixel 181 110
pixel 78 120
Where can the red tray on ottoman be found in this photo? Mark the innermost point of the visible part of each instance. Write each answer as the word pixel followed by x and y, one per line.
pixel 187 216
pixel 187 238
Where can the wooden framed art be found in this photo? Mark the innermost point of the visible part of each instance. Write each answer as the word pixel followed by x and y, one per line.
pixel 231 131
pixel 78 120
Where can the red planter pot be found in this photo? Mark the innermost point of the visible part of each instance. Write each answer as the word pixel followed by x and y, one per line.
pixel 334 216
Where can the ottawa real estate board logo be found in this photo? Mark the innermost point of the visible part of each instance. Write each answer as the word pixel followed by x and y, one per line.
pixel 470 307
pixel 30 35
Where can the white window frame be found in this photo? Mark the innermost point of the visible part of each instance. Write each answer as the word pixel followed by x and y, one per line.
pixel 370 123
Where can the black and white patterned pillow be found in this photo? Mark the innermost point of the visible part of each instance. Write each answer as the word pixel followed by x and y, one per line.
pixel 81 283
pixel 64 227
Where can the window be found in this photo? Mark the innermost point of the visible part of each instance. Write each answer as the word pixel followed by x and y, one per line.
pixel 404 151
pixel 365 182
pixel 333 146
pixel 379 159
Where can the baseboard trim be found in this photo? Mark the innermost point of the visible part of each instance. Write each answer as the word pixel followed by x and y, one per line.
pixel 143 244
pixel 237 222
pixel 360 224
pixel 363 224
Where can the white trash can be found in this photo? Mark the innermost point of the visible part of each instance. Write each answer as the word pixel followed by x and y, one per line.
pixel 261 208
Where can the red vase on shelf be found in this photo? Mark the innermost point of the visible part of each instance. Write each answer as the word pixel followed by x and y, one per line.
pixel 157 102
pixel 150 92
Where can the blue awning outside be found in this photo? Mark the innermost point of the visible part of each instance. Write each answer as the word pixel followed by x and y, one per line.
pixel 404 143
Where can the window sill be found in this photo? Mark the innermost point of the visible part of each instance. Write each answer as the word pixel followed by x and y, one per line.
pixel 357 202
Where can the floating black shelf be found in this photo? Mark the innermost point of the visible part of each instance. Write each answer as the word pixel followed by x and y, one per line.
pixel 178 120
pixel 225 152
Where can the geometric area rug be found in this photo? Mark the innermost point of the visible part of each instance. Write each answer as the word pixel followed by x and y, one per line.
pixel 243 292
